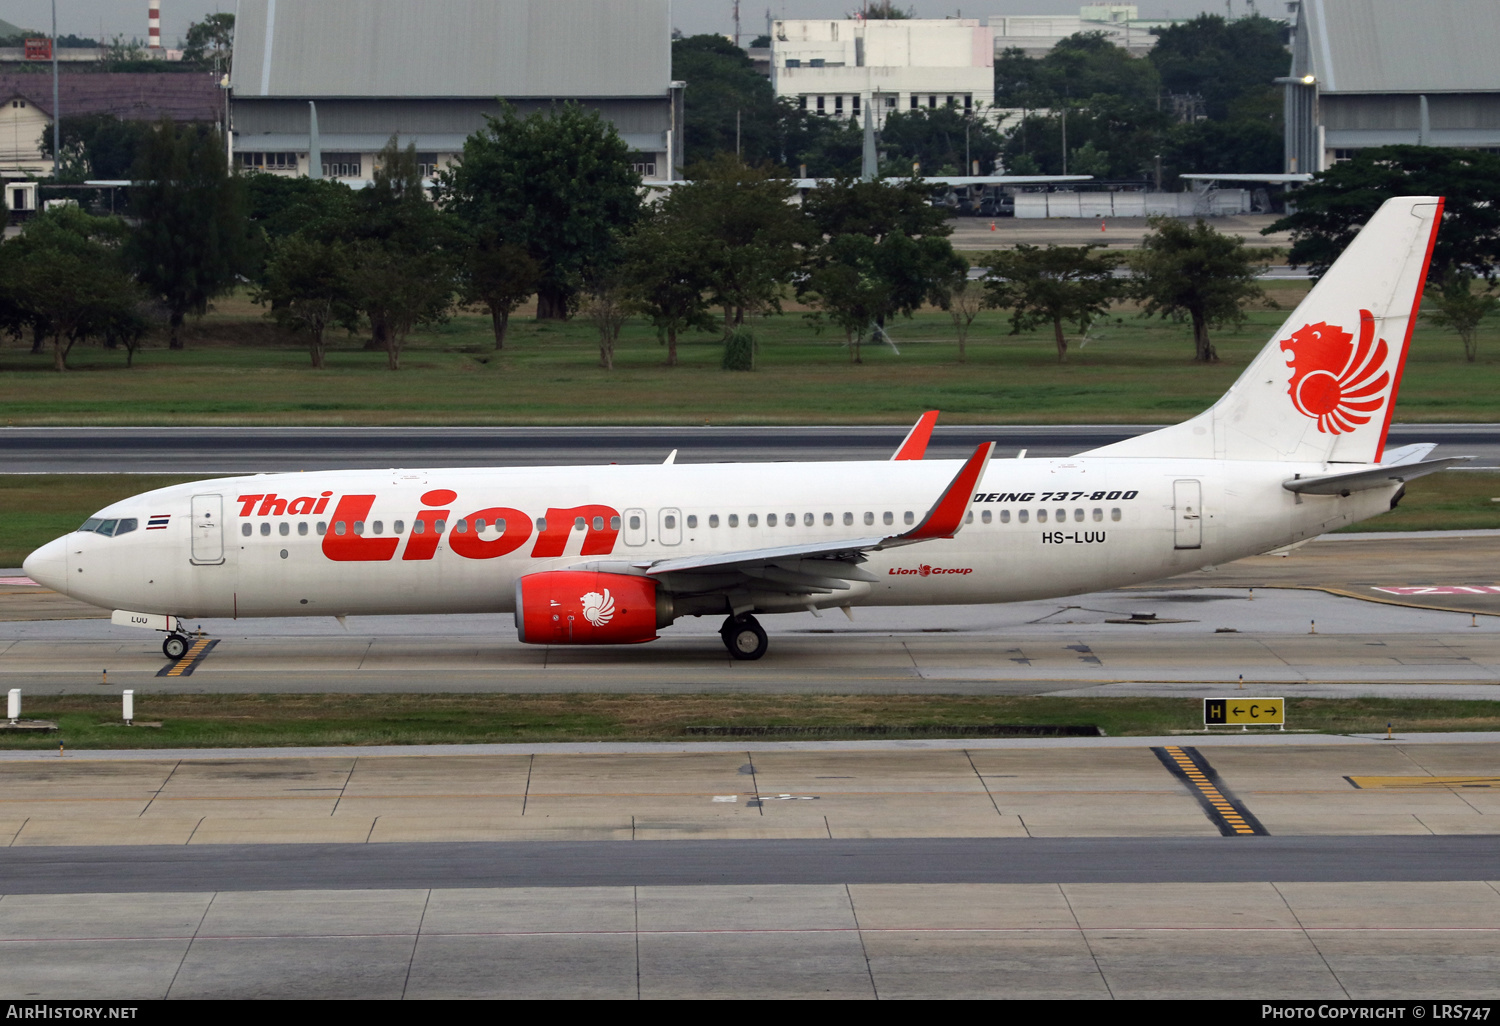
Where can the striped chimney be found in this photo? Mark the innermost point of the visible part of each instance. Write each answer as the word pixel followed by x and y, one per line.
pixel 153 25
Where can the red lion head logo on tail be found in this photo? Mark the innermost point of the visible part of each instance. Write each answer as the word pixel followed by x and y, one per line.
pixel 1334 381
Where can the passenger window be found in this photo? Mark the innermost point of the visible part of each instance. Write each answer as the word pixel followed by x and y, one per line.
pixel 598 523
pixel 1114 514
pixel 969 517
pixel 1098 515
pixel 438 526
pixel 246 529
pixel 1062 516
pixel 462 527
pixel 500 526
pixel 265 530
pixel 302 528
pixel 752 520
pixel 322 528
pixel 770 520
pixel 984 517
pixel 669 522
pixel 1023 516
pixel 1041 516
pixel 398 526
pixel 1005 516
pixel 908 518
pixel 541 524
pixel 635 523
pixel 578 524
pixel 807 519
pixel 419 526
pixel 848 519
pixel 480 524
pixel 614 523
pixel 359 527
pixel 378 526
pixel 869 518
pixel 827 519
pixel 713 520
pixel 692 521
pixel 284 529
pixel 888 519
pixel 791 520
pixel 734 520
pixel 338 527
pixel 1078 516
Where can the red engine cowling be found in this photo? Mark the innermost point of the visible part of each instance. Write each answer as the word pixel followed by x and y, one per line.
pixel 586 607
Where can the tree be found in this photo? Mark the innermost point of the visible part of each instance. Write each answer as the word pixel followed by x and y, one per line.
pixel 97 146
pixel 751 238
pixel 608 308
pixel 666 276
pixel 729 107
pixel 403 262
pixel 1456 305
pixel 557 183
pixel 192 240
pixel 874 208
pixel 63 279
pixel 1056 285
pixel 499 276
pixel 1222 61
pixel 309 285
pixel 1333 207
pixel 1198 272
pixel 965 300
pixel 210 42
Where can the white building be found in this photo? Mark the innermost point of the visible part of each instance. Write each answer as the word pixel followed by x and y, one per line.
pixel 835 67
pixel 1036 34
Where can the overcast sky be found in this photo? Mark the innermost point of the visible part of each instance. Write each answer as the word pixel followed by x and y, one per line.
pixel 108 18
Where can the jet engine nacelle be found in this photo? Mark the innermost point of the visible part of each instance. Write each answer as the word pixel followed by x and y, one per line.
pixel 587 607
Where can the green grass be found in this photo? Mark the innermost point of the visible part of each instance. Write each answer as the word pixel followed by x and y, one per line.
pixel 228 721
pixel 236 370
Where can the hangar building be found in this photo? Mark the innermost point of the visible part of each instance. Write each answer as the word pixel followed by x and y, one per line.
pixel 429 73
pixel 1369 73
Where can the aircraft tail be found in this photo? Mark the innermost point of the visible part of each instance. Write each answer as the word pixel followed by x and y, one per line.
pixel 1323 389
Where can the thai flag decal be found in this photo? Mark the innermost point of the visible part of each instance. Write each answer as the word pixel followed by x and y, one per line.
pixel 158 522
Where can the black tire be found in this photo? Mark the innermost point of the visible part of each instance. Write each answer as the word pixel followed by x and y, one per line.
pixel 175 646
pixel 744 637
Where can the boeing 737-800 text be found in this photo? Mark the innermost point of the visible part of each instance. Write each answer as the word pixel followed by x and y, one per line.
pixel 611 555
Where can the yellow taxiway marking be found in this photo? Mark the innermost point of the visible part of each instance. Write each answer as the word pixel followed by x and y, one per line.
pixel 1421 783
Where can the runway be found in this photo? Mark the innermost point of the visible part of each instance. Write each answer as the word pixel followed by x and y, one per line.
pixel 208 450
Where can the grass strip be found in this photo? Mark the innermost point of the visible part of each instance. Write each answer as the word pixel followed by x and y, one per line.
pixel 240 720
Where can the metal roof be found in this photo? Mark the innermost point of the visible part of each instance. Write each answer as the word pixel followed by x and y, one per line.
pixel 1399 46
pixel 147 96
pixel 452 48
pixel 435 142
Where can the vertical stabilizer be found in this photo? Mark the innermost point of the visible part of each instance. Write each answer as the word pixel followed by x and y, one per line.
pixel 1323 389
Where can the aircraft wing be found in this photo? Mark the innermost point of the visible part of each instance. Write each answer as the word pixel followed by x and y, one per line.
pixel 819 567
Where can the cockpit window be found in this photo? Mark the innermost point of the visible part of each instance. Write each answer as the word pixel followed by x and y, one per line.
pixel 109 528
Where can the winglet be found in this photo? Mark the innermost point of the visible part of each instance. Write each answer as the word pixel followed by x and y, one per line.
pixel 947 514
pixel 914 447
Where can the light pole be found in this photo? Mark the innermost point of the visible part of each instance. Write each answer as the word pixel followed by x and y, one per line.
pixel 56 114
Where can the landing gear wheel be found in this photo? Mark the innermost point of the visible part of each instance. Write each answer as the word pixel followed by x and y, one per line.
pixel 744 637
pixel 175 646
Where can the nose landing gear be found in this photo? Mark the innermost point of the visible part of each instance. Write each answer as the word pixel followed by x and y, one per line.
pixel 744 637
pixel 174 646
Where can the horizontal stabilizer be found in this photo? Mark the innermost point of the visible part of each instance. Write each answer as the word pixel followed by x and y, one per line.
pixel 1373 477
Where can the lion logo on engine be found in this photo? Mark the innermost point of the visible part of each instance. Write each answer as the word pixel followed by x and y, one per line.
pixel 1334 381
pixel 598 609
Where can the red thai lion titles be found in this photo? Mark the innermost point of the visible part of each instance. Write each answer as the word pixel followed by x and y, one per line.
pixel 1336 382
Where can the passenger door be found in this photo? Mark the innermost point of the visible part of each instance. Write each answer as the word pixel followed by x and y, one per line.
pixel 1187 512
pixel 635 526
pixel 208 530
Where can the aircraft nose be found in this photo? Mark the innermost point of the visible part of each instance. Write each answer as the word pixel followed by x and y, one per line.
pixel 48 565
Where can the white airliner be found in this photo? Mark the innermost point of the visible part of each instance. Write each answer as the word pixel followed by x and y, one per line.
pixel 611 555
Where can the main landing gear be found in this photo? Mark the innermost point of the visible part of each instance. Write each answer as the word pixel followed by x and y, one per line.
pixel 174 646
pixel 744 637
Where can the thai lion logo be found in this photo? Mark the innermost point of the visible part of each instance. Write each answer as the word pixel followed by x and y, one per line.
pixel 598 609
pixel 924 570
pixel 1334 381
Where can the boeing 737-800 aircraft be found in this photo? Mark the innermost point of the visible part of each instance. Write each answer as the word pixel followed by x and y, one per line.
pixel 611 555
